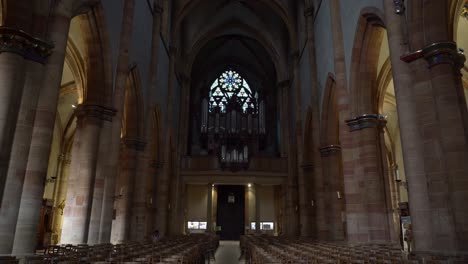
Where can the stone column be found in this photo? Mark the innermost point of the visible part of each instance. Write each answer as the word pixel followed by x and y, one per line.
pixel 331 159
pixel 291 219
pixel 366 194
pixel 124 190
pixel 111 164
pixel 209 209
pixel 137 219
pixel 81 180
pixel 433 125
pixel 99 184
pixel 140 213
pixel 42 135
pixel 257 208
pixel 16 119
pixel 164 202
pixel 315 100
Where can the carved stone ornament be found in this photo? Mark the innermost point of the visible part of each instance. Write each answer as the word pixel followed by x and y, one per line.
pixel 96 111
pixel 329 150
pixel 366 121
pixel 438 53
pixel 19 42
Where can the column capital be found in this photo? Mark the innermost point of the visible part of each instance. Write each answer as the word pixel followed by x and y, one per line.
pixel 307 165
pixel 445 52
pixel 19 42
pixel 134 144
pixel 329 150
pixel 96 111
pixel 366 121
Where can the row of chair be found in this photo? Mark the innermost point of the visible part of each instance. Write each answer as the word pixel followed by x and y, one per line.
pixel 191 249
pixel 263 249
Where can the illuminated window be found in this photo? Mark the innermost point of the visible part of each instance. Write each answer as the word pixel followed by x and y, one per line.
pixel 230 84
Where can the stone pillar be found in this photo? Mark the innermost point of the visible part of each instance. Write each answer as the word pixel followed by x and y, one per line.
pixel 99 184
pixel 81 180
pixel 164 182
pixel 111 163
pixel 42 135
pixel 291 221
pixel 137 219
pixel 433 126
pixel 16 120
pixel 209 209
pixel 257 208
pixel 366 195
pixel 315 100
pixel 124 191
pixel 332 174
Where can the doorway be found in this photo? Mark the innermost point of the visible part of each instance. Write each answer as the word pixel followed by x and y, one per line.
pixel 230 213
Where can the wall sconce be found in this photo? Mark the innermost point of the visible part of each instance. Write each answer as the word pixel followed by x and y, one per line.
pixel 312 203
pixel 399 6
pixel 249 185
pixel 338 194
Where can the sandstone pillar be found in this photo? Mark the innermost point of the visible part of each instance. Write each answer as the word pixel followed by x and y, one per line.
pixel 366 195
pixel 316 168
pixel 16 128
pixel 331 164
pixel 44 121
pixel 111 163
pixel 124 191
pixel 433 125
pixel 99 184
pixel 291 214
pixel 140 211
pixel 82 173
pixel 164 179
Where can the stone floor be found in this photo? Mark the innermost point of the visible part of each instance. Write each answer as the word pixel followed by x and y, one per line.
pixel 228 253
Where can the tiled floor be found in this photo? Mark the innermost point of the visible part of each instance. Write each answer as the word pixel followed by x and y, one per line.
pixel 228 253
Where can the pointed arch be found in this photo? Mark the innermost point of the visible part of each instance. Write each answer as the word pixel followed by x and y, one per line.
pixel 368 38
pixel 329 123
pixel 98 66
pixel 275 5
pixel 454 16
pixel 75 61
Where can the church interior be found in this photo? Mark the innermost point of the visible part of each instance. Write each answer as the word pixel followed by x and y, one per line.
pixel 233 131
